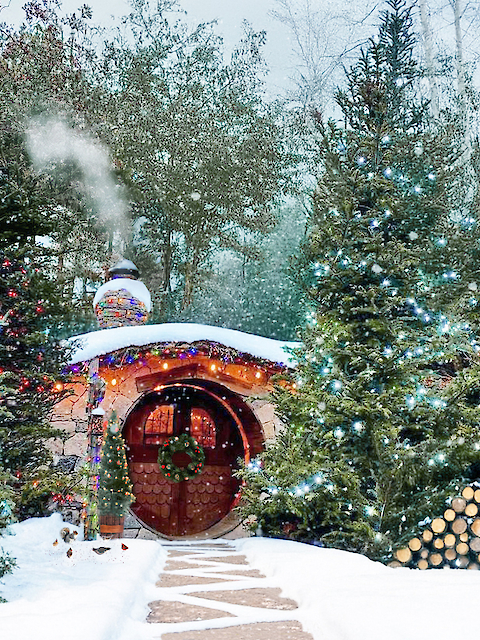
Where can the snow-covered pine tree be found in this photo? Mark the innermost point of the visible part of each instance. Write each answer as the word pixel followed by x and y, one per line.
pixel 381 415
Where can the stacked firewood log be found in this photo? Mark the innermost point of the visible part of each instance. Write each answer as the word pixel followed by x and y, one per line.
pixel 449 541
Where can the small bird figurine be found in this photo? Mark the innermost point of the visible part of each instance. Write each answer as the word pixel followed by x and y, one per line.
pixel 69 553
pixel 100 550
pixel 55 543
pixel 124 547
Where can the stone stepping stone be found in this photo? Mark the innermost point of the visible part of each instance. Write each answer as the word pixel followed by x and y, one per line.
pixel 176 565
pixel 245 573
pixel 201 547
pixel 287 630
pixel 164 611
pixel 228 559
pixel 179 580
pixel 263 598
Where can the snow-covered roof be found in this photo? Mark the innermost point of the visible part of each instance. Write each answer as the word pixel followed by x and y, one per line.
pixel 97 343
pixel 136 288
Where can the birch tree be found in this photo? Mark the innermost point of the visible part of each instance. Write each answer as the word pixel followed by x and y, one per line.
pixel 428 45
pixel 325 35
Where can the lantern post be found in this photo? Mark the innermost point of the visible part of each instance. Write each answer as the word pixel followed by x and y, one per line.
pixel 96 416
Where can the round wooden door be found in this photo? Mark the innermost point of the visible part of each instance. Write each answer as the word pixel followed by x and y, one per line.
pixel 191 506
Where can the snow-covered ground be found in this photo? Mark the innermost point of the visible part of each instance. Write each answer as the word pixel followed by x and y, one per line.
pixel 87 596
pixel 341 596
pixel 345 596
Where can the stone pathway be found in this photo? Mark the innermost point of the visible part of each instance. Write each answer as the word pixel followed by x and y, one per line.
pixel 208 591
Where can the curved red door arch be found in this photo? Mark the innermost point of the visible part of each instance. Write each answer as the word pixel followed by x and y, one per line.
pixel 193 506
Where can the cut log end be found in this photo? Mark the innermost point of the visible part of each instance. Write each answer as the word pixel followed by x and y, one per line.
pixel 415 544
pixel 436 559
pixel 427 535
pixel 450 554
pixel 449 515
pixel 438 525
pixel 475 544
pixel 459 525
pixel 471 510
pixel 475 527
pixel 450 540
pixel 403 555
pixel 459 504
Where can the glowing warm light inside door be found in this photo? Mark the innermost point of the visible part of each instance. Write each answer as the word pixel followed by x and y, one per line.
pixel 159 423
pixel 202 428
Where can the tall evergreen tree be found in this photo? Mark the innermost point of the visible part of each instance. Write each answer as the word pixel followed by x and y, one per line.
pixel 381 416
pixel 31 358
pixel 45 78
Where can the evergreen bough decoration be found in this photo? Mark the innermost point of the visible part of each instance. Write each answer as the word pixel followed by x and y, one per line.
pixel 180 444
pixel 114 488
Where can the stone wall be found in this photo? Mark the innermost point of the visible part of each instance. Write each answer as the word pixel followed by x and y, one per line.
pixel 265 413
pixel 70 416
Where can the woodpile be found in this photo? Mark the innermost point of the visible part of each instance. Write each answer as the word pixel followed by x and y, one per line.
pixel 450 541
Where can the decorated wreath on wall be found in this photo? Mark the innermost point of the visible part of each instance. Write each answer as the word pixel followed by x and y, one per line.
pixel 181 458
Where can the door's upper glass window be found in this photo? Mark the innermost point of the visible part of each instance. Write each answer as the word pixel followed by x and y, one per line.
pixel 159 424
pixel 202 428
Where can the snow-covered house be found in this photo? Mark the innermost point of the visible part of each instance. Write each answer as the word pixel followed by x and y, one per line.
pixel 164 380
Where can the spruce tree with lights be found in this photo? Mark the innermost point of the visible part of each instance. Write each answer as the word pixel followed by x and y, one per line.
pixel 31 373
pixel 382 412
pixel 114 488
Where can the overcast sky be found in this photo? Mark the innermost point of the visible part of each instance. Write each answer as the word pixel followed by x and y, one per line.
pixel 336 27
pixel 229 13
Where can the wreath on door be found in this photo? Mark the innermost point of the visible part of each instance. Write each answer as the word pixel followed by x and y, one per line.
pixel 181 458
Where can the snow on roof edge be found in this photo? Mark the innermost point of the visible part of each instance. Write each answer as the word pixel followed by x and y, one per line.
pixel 97 343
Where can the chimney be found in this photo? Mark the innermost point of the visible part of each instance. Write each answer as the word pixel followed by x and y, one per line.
pixel 123 301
